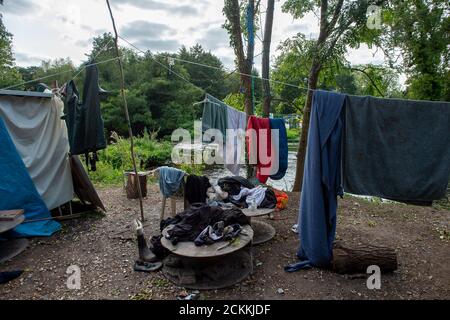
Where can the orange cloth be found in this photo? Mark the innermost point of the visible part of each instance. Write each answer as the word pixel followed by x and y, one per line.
pixel 282 199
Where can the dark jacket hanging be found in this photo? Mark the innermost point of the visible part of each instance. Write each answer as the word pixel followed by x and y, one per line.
pixel 83 117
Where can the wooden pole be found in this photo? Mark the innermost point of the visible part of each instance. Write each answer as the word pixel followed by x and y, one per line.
pixel 125 107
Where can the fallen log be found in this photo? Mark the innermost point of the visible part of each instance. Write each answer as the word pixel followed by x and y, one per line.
pixel 348 260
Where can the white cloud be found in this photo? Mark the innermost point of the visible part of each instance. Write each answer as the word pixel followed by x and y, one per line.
pixel 19 7
pixel 58 29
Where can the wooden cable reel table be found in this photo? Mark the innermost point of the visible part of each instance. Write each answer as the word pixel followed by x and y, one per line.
pixel 11 247
pixel 263 232
pixel 219 265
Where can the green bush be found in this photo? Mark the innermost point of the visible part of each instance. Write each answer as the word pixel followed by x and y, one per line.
pixel 149 152
pixel 293 134
pixel 116 158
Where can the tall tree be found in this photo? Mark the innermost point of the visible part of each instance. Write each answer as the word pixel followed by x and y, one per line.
pixel 212 80
pixel 267 96
pixel 244 61
pixel 421 30
pixel 341 24
pixel 8 73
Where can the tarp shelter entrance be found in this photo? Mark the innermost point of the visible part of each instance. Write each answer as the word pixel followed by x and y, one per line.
pixel 32 121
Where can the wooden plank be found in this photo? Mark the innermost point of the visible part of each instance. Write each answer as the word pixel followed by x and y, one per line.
pixel 8 225
pixel 9 215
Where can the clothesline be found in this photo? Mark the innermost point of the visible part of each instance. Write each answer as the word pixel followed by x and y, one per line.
pixel 206 100
pixel 57 74
pixel 213 67
pixel 161 64
pixel 67 71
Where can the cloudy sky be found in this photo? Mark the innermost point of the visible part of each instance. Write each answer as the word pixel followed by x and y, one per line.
pixel 49 29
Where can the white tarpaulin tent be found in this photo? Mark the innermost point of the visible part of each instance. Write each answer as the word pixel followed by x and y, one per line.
pixel 40 136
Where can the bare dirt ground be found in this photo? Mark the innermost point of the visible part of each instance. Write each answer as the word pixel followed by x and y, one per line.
pixel 104 248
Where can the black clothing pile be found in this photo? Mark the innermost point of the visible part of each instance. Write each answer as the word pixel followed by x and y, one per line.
pixel 218 232
pixel 188 224
pixel 233 185
pixel 195 189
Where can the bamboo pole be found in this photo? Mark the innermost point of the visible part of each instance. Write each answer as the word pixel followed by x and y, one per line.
pixel 125 107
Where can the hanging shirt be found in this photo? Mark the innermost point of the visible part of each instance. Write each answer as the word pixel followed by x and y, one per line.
pixel 235 143
pixel 195 189
pixel 215 115
pixel 321 182
pixel 170 180
pixel 279 147
pixel 259 146
pixel 83 118
pixel 397 149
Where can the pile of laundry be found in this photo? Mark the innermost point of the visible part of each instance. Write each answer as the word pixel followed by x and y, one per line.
pixel 204 224
pixel 200 223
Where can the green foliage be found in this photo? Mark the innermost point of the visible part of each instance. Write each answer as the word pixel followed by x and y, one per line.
pixel 293 64
pixel 106 175
pixel 149 152
pixel 9 75
pixel 421 30
pixel 293 134
pixel 61 70
pixel 236 100
pixel 116 159
pixel 212 80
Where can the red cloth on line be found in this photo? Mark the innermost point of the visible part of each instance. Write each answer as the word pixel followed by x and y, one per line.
pixel 253 145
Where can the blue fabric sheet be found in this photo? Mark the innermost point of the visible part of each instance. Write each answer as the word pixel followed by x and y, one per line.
pixel 17 191
pixel 321 182
pixel 170 180
pixel 283 148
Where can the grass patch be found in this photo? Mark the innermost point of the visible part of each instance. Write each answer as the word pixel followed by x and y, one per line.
pixel 293 135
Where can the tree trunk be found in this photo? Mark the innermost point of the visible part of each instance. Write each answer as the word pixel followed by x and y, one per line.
pixel 301 153
pixel 266 57
pixel 348 260
pixel 244 63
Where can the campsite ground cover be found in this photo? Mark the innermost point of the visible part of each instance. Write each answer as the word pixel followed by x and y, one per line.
pixel 104 248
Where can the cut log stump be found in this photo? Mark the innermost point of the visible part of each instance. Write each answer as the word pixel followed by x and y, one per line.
pixel 132 186
pixel 348 260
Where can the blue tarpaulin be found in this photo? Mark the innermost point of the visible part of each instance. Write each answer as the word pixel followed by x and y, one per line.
pixel 17 191
pixel 321 182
